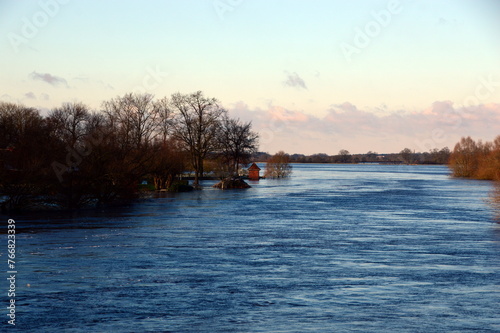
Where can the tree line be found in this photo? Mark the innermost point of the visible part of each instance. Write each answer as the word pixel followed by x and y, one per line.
pixel 476 159
pixel 405 156
pixel 75 156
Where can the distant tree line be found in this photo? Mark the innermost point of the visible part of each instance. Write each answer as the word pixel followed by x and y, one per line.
pixel 405 156
pixel 476 159
pixel 75 156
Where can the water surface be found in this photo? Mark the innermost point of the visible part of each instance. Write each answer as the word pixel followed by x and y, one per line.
pixel 335 248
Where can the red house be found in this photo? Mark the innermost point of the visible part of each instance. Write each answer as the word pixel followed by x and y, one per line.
pixel 253 172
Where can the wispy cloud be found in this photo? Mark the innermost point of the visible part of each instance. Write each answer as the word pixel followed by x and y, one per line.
pixel 294 80
pixel 49 78
pixel 30 95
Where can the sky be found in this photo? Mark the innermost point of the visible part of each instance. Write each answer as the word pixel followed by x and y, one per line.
pixel 312 76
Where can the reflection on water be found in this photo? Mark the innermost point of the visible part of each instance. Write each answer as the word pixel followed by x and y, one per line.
pixel 494 200
pixel 336 248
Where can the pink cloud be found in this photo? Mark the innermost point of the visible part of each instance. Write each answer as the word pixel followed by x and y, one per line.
pixel 346 127
pixel 439 107
pixel 283 114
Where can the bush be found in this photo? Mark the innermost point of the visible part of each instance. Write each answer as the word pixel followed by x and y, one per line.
pixel 476 160
pixel 180 186
pixel 278 166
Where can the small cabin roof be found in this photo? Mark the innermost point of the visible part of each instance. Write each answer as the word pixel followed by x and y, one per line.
pixel 253 167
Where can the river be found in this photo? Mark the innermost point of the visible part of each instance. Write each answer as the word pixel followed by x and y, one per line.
pixel 335 248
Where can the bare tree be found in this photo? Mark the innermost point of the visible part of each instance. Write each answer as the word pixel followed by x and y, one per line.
pixel 165 118
pixel 407 155
pixel 16 123
pixel 167 164
pixel 371 156
pixel 436 156
pixel 25 153
pixel 69 122
pixel 463 160
pixel 135 117
pixel 197 124
pixel 477 160
pixel 237 142
pixel 75 158
pixel 345 156
pixel 278 166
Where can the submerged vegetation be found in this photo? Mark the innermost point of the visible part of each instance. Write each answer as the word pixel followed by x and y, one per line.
pixel 476 160
pixel 75 157
pixel 278 166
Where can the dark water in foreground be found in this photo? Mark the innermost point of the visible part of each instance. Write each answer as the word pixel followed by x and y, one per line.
pixel 364 248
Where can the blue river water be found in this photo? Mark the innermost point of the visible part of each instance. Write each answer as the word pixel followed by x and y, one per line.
pixel 335 248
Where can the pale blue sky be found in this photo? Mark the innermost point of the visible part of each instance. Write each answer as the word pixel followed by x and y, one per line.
pixel 268 61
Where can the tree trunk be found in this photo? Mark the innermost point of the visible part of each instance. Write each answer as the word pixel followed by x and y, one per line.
pixel 197 167
pixel 169 181
pixel 200 163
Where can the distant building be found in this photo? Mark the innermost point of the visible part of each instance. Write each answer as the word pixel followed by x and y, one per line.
pixel 253 172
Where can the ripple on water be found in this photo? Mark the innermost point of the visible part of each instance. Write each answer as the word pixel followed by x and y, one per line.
pixel 364 248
